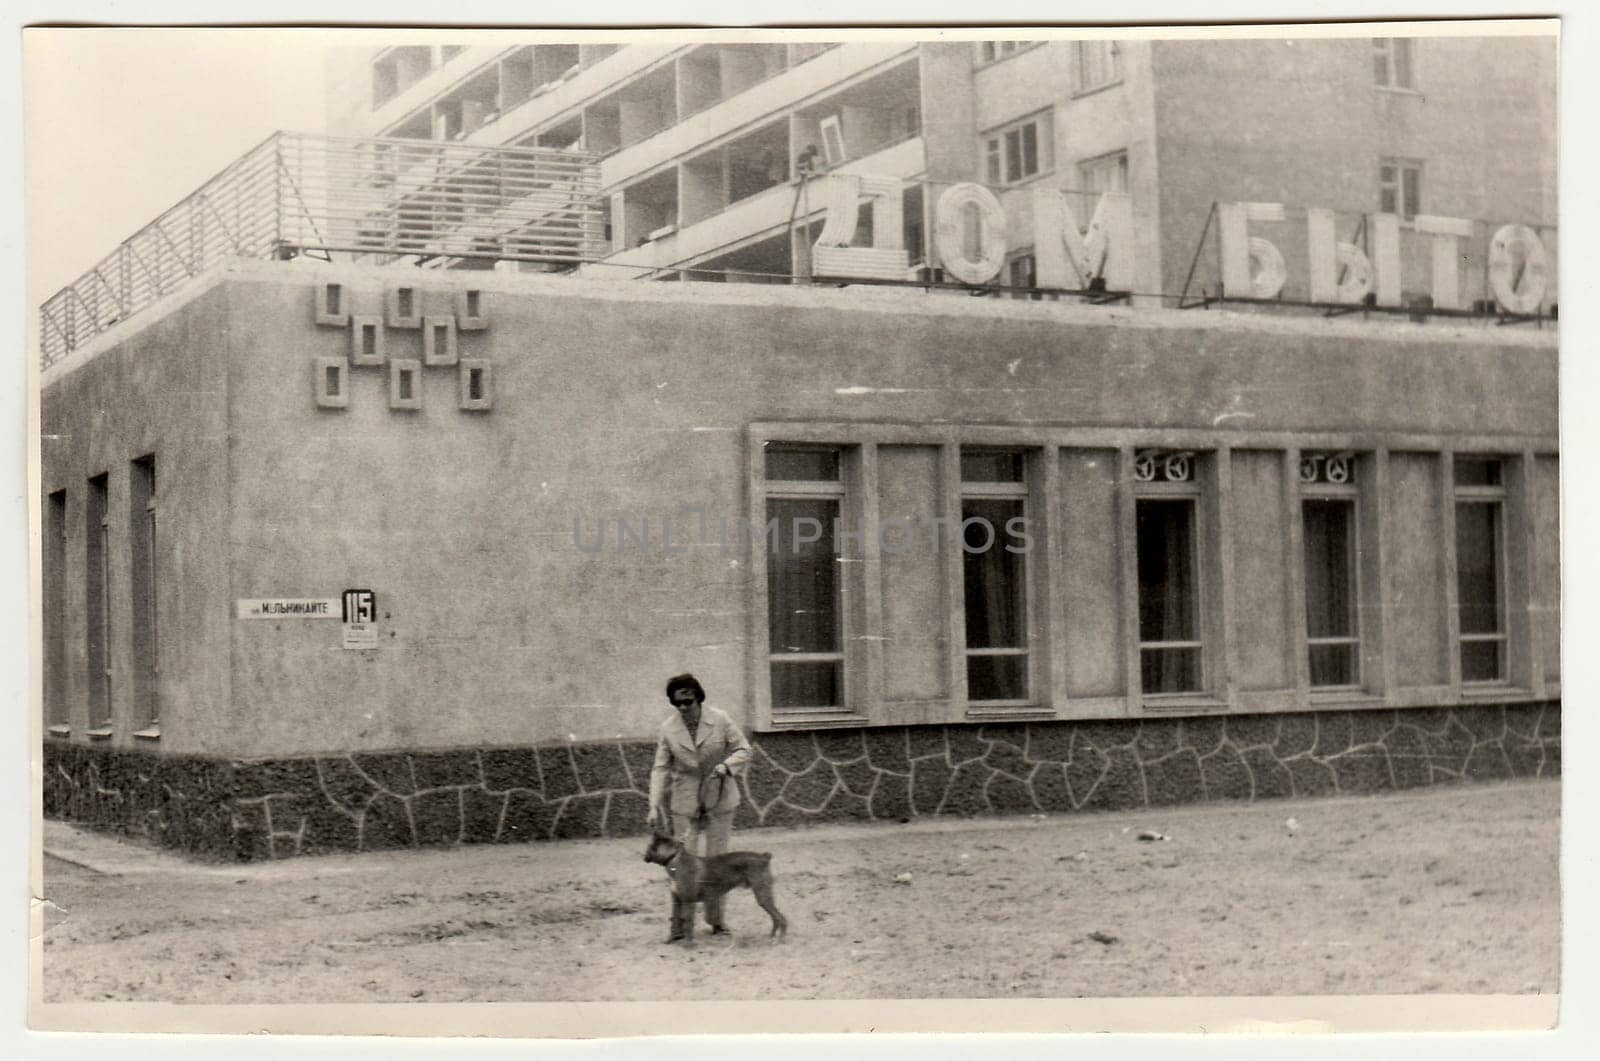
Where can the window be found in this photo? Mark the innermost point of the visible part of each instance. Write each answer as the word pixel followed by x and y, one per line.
pixel 397 69
pixel 833 148
pixel 1328 542
pixel 1108 173
pixel 805 608
pixel 994 495
pixel 1392 65
pixel 54 558
pixel 1169 628
pixel 142 551
pixel 1099 63
pixel 1022 272
pixel 1167 544
pixel 97 573
pixel 1400 187
pixel 1480 569
pixel 994 51
pixel 1018 151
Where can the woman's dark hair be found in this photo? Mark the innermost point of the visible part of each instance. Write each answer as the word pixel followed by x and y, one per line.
pixel 685 681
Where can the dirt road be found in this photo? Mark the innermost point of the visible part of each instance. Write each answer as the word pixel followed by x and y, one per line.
pixel 1445 890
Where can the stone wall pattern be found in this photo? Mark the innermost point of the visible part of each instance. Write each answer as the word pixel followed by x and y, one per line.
pixel 257 809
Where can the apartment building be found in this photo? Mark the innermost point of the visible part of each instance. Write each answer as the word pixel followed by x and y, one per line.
pixel 700 144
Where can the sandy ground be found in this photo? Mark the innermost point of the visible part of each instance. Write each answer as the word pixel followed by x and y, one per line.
pixel 1446 890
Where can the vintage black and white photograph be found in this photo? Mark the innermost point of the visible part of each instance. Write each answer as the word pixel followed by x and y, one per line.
pixel 1030 515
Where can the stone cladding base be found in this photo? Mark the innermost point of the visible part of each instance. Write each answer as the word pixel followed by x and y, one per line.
pixel 275 808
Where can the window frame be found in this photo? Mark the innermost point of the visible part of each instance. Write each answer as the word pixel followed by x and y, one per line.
pixel 1018 490
pixel 1497 496
pixel 1386 49
pixel 993 149
pixel 839 490
pixel 1193 491
pixel 98 607
pixel 992 52
pixel 1024 260
pixel 57 515
pixel 1112 56
pixel 1118 162
pixel 145 581
pixel 1401 166
pixel 1348 493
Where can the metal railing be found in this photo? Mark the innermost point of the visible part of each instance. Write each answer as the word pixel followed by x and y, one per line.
pixel 370 199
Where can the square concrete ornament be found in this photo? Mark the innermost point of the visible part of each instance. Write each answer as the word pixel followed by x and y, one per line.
pixel 405 384
pixel 332 382
pixel 439 341
pixel 469 311
pixel 403 307
pixel 474 380
pixel 366 341
pixel 332 309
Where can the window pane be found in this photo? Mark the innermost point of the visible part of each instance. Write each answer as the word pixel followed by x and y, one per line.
pixel 1167 610
pixel 1480 661
pixel 997 677
pixel 1170 670
pixel 1030 149
pixel 1477 562
pixel 802 465
pixel 1402 62
pixel 1333 664
pixel 1330 593
pixel 1412 180
pixel 1021 274
pixel 805 684
pixel 1013 155
pixel 994 575
pixel 1091 63
pixel 802 576
pixel 992 466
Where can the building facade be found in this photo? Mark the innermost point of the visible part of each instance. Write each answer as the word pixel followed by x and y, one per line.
pixel 701 144
pixel 339 555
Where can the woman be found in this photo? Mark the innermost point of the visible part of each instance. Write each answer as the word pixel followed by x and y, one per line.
pixel 694 787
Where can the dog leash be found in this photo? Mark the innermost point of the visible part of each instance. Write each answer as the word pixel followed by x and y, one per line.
pixel 702 813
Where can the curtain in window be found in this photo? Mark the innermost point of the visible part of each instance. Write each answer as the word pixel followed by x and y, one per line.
pixel 1330 595
pixel 1478 589
pixel 803 600
pixel 996 599
pixel 1167 599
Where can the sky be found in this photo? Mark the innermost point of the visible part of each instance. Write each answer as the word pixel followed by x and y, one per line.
pixel 121 124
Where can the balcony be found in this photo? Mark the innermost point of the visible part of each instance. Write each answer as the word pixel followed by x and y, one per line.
pixel 378 200
pixel 753 102
pixel 756 217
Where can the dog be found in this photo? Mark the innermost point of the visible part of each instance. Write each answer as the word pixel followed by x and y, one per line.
pixel 695 879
